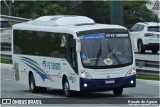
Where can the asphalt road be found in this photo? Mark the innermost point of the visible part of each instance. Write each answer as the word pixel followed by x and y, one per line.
pixel 144 89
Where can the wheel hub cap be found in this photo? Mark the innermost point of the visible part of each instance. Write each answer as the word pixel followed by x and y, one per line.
pixel 66 88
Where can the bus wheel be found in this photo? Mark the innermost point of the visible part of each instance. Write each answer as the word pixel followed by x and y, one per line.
pixel 66 88
pixel 32 85
pixel 118 91
pixel 33 88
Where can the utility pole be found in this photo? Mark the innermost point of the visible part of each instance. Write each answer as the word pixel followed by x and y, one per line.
pixel 116 12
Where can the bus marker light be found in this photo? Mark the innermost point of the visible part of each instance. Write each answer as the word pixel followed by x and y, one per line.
pixel 85 85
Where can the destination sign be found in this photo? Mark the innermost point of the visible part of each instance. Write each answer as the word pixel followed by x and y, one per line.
pixel 95 36
pixel 116 35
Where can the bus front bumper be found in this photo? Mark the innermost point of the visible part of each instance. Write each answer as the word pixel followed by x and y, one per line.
pixel 107 84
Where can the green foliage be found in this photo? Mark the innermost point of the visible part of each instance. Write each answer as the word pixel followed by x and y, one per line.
pixel 4 9
pixel 133 11
pixel 102 12
pixel 56 9
pixel 11 23
pixel 23 9
pixel 136 11
pixel 6 61
pixel 147 77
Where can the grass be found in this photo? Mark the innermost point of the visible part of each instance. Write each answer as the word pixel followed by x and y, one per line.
pixel 11 23
pixel 146 77
pixel 6 61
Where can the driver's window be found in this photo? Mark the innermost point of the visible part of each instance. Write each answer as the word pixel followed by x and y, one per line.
pixel 72 56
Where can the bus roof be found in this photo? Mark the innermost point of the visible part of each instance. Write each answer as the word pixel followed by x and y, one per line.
pixel 57 23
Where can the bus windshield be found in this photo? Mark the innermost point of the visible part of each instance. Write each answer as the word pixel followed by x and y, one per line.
pixel 105 50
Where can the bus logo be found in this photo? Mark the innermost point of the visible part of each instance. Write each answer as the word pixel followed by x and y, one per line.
pixel 50 65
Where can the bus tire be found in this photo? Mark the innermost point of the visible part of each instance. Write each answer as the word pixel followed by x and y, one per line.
pixel 32 85
pixel 66 88
pixel 118 91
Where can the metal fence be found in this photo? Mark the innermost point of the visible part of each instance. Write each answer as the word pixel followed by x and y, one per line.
pixel 15 19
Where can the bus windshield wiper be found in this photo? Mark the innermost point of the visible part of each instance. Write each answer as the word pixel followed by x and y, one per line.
pixel 114 55
pixel 98 55
pixel 116 58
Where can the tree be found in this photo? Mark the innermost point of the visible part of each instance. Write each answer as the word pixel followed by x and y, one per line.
pixel 56 9
pixel 136 11
pixel 87 8
pixel 133 11
pixel 101 12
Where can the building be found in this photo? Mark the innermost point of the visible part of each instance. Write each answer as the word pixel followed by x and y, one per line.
pixel 154 5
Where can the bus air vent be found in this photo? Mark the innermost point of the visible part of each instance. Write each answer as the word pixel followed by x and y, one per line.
pixel 61 20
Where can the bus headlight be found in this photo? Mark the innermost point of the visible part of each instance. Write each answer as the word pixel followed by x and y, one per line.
pixel 131 72
pixel 84 74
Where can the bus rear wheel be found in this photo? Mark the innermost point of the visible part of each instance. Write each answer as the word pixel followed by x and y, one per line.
pixel 118 91
pixel 66 88
pixel 32 86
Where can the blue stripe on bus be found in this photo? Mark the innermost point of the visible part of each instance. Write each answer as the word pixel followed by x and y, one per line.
pixel 33 64
pixel 43 76
pixel 30 60
pixel 36 68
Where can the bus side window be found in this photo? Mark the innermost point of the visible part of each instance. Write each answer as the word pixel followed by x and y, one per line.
pixel 72 48
pixel 72 53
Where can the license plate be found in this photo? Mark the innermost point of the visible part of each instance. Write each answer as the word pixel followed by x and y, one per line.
pixel 109 82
